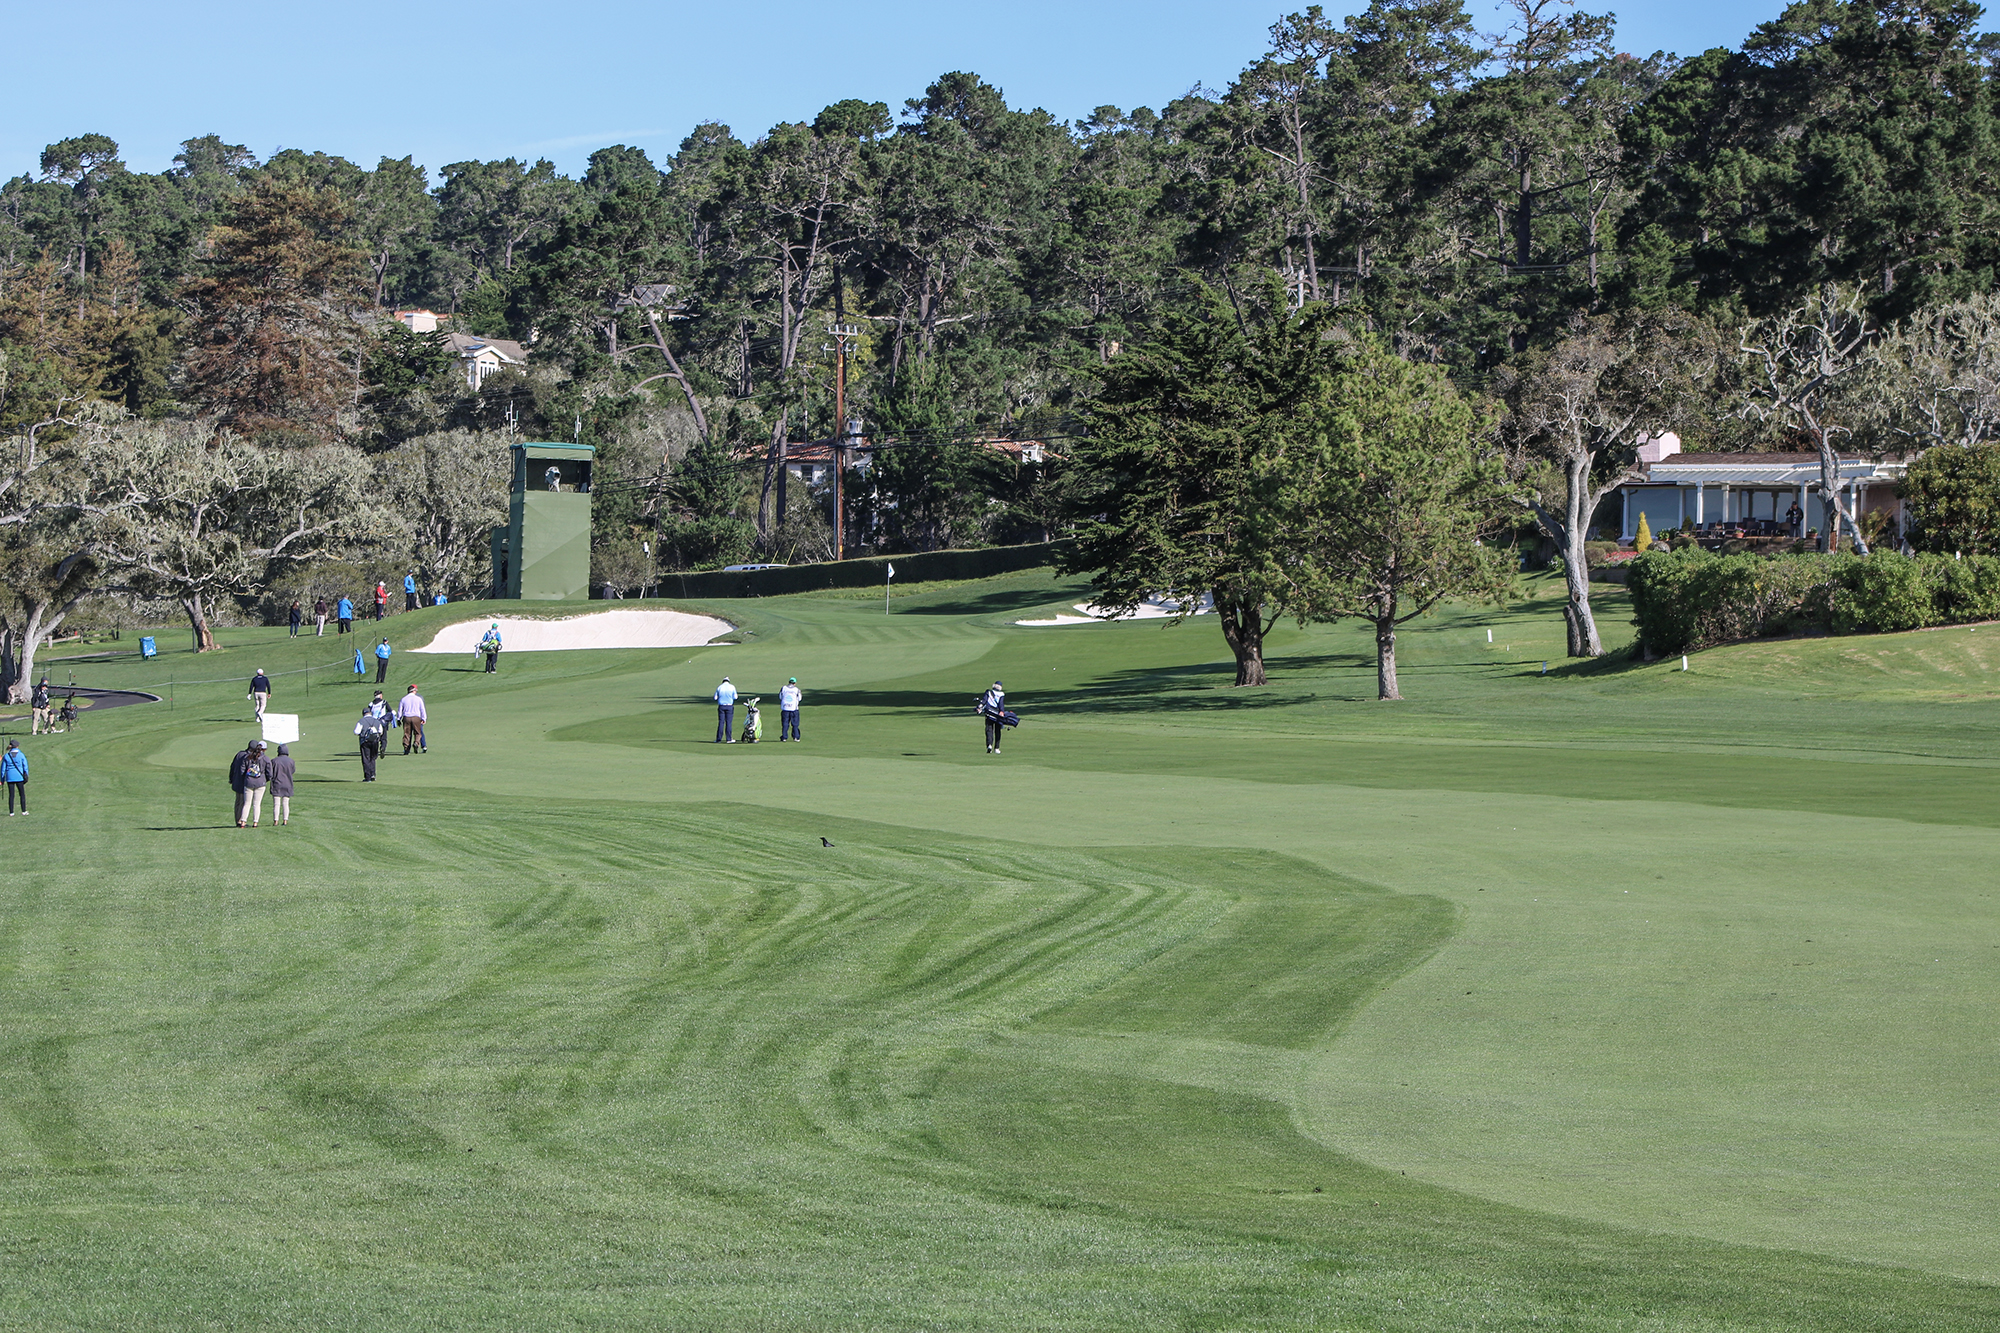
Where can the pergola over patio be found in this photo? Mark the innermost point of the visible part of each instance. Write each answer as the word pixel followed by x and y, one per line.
pixel 1752 490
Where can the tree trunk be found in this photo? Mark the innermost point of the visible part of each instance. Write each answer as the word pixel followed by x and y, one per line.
pixel 12 680
pixel 197 614
pixel 773 469
pixel 1385 659
pixel 1583 640
pixel 1243 630
pixel 1837 510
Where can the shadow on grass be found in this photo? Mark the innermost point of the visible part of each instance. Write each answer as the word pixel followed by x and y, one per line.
pixel 999 602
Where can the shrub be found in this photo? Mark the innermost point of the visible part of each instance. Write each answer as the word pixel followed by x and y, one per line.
pixel 1968 590
pixel 1596 553
pixel 1952 494
pixel 1643 542
pixel 1886 592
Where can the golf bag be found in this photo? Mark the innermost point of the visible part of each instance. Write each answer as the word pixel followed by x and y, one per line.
pixel 1005 717
pixel 753 724
pixel 67 714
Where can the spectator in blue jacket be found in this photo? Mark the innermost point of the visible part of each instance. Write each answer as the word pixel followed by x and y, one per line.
pixel 14 772
pixel 382 651
pixel 725 712
pixel 410 591
pixel 343 612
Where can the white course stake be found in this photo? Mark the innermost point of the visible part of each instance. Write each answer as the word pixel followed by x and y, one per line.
pixel 1489 636
pixel 1684 662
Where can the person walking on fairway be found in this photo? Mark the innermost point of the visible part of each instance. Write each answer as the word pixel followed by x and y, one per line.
pixel 260 692
pixel 343 614
pixel 490 645
pixel 410 709
pixel 319 617
pixel 410 591
pixel 281 769
pixel 372 727
pixel 992 704
pixel 382 651
pixel 41 701
pixel 14 772
pixel 296 619
pixel 789 695
pixel 725 712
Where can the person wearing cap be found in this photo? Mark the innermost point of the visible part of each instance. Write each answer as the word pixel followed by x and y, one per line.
pixel 43 704
pixel 248 777
pixel 14 772
pixel 260 691
pixel 280 771
pixel 373 728
pixel 788 710
pixel 410 591
pixel 991 705
pixel 343 615
pixel 725 712
pixel 490 645
pixel 382 651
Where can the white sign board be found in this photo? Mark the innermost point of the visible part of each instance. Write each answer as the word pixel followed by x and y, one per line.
pixel 281 728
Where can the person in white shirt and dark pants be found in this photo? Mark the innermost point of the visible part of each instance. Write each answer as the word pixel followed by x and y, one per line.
pixel 725 712
pixel 788 710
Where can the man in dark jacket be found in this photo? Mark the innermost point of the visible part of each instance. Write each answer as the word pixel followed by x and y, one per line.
pixel 260 692
pixel 372 727
pixel 41 701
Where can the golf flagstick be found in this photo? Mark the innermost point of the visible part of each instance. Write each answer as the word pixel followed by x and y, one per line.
pixel 885 589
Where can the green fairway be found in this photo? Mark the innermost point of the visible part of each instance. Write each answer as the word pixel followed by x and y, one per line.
pixel 1616 997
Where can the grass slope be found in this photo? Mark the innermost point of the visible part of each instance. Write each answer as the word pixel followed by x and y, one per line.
pixel 1623 998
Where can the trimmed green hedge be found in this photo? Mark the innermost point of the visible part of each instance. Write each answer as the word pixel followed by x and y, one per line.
pixel 869 573
pixel 1693 598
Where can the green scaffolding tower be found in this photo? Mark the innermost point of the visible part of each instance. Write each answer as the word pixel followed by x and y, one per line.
pixel 543 554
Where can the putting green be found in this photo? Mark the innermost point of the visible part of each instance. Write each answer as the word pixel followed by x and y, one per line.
pixel 1620 997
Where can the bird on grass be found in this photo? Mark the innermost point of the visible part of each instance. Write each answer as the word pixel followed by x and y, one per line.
pixel 824 843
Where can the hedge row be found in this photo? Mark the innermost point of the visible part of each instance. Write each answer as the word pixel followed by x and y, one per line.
pixel 868 573
pixel 1693 598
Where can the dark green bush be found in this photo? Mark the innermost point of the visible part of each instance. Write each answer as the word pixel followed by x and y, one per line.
pixel 1968 590
pixel 1887 592
pixel 868 573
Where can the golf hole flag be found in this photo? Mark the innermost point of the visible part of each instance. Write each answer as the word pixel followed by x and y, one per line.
pixel 885 589
pixel 281 728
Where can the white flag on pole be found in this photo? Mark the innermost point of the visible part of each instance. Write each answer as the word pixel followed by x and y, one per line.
pixel 892 571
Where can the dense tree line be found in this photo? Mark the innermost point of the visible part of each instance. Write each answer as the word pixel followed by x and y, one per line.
pixel 1515 211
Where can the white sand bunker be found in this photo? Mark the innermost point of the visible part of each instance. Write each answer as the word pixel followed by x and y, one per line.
pixel 601 629
pixel 1153 608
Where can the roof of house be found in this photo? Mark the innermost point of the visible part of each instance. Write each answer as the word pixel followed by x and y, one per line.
pixel 1767 469
pixel 466 344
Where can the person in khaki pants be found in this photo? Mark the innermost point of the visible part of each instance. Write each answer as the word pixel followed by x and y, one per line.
pixel 280 771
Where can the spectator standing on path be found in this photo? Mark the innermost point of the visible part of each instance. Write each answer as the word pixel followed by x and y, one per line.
pixel 381 601
pixel 298 618
pixel 372 727
pixel 260 692
pixel 725 712
pixel 14 772
pixel 991 705
pixel 1795 518
pixel 281 769
pixel 343 613
pixel 382 651
pixel 410 591
pixel 490 645
pixel 410 708
pixel 319 617
pixel 788 710
pixel 41 700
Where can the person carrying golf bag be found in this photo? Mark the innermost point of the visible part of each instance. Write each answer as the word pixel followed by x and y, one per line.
pixel 992 706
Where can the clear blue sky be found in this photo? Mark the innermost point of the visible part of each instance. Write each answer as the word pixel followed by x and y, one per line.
pixel 504 78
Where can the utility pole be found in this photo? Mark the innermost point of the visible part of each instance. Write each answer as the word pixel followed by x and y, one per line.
pixel 842 335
